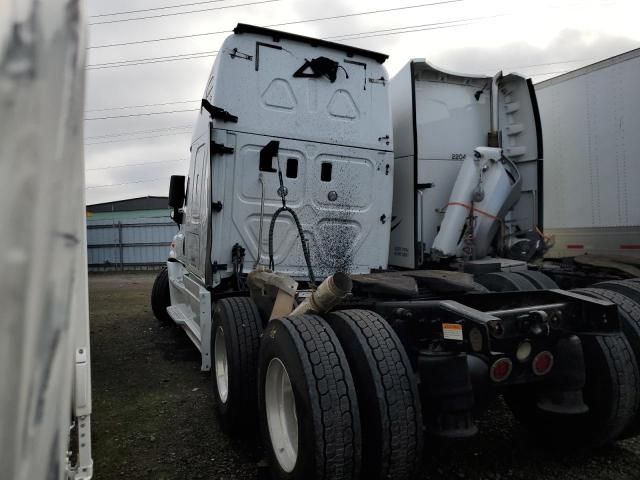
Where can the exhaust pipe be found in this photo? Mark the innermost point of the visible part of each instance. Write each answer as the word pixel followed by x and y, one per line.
pixel 331 292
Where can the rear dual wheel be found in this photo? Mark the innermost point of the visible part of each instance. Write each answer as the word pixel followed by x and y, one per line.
pixel 387 394
pixel 338 398
pixel 309 413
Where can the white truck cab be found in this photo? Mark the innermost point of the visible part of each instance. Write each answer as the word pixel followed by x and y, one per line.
pixel 283 110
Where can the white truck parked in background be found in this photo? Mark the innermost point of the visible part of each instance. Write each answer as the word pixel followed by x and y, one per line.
pixel 299 169
pixel 591 125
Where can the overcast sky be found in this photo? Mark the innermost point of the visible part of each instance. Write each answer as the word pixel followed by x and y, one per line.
pixel 539 38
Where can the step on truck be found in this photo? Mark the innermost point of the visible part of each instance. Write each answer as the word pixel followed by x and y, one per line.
pixel 355 263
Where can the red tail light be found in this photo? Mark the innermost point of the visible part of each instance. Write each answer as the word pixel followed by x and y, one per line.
pixel 542 363
pixel 500 370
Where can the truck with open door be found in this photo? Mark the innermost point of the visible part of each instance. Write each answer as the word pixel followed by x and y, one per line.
pixel 293 182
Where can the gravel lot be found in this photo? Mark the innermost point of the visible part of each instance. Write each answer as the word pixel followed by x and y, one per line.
pixel 154 417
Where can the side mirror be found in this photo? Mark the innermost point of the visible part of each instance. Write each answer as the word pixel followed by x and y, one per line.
pixel 176 197
pixel 176 191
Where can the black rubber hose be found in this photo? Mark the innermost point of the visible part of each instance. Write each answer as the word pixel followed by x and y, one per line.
pixel 305 249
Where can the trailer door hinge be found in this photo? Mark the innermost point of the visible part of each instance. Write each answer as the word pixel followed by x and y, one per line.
pixel 216 206
pixel 220 148
pixel 217 112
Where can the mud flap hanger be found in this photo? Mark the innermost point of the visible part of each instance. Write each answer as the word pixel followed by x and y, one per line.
pixel 320 67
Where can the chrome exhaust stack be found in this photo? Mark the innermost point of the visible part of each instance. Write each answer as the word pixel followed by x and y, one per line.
pixel 330 293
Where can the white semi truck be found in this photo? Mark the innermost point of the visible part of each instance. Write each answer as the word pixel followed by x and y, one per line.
pixel 590 120
pixel 409 199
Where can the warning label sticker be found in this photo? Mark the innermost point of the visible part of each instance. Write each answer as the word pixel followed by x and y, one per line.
pixel 452 331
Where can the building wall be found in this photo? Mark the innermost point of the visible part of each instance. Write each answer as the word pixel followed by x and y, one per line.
pixel 129 240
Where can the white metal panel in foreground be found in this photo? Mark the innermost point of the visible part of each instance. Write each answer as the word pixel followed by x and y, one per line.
pixel 44 329
pixel 590 123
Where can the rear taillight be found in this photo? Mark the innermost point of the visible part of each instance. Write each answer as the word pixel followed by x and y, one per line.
pixel 500 370
pixel 542 363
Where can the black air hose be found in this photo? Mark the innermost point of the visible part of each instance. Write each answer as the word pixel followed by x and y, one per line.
pixel 305 249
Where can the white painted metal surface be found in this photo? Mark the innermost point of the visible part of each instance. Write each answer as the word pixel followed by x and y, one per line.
pixel 45 376
pixel 439 119
pixel 342 128
pixel 590 122
pixel 281 413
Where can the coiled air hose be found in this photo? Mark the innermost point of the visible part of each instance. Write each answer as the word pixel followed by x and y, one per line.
pixel 282 191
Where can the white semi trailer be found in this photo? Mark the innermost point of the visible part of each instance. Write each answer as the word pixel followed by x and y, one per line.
pixel 590 123
pixel 408 199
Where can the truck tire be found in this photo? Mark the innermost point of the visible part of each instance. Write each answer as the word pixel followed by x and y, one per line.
pixel 629 312
pixel 628 289
pixel 505 282
pixel 309 413
pixel 160 297
pixel 235 342
pixel 539 279
pixel 611 392
pixel 387 394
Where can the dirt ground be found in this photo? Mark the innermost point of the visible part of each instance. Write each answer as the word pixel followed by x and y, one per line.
pixel 153 414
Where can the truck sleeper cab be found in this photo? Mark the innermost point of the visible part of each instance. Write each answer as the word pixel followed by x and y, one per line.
pixel 346 378
pixel 279 107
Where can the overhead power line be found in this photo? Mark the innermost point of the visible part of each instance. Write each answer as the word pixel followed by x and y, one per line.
pixel 135 132
pixel 126 165
pixel 88 144
pixel 177 57
pixel 125 183
pixel 125 107
pixel 141 114
pixel 155 8
pixel 182 13
pixel 297 22
pixel 118 62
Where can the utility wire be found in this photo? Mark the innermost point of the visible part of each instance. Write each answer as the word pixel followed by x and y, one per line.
pixel 450 23
pixel 135 139
pixel 140 106
pixel 149 62
pixel 110 135
pixel 182 13
pixel 141 114
pixel 125 183
pixel 135 164
pixel 297 22
pixel 170 57
pixel 156 8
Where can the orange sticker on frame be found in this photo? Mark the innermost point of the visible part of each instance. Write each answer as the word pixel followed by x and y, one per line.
pixel 452 331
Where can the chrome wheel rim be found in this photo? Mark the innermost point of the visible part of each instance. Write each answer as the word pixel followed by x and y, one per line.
pixel 221 365
pixel 282 419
